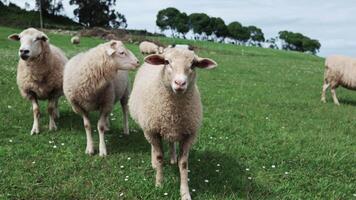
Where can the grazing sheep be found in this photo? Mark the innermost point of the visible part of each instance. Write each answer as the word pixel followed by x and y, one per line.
pixel 75 40
pixel 150 48
pixel 94 80
pixel 339 71
pixel 40 73
pixel 183 46
pixel 165 102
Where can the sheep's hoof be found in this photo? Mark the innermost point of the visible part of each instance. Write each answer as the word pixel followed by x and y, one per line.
pixel 159 184
pixel 89 151
pixel 173 161
pixel 126 132
pixel 35 130
pixel 52 127
pixel 102 153
pixel 323 100
pixel 186 196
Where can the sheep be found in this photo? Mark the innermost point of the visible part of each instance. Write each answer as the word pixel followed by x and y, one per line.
pixel 96 80
pixel 165 102
pixel 150 48
pixel 183 46
pixel 75 40
pixel 40 73
pixel 339 71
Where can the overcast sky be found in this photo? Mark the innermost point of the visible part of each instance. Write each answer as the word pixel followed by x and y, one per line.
pixel 332 22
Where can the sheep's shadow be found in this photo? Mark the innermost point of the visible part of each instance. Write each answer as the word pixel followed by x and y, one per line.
pixel 347 102
pixel 218 174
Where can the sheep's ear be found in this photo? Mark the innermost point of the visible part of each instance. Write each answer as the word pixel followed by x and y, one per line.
pixel 204 63
pixel 43 37
pixel 155 59
pixel 112 48
pixel 14 37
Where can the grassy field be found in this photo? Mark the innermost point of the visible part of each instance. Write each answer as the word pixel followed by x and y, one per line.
pixel 265 135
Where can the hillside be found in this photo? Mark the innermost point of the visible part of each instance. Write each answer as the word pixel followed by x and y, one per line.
pixel 14 16
pixel 265 135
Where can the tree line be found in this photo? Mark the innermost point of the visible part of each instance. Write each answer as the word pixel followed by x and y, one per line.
pixel 90 13
pixel 204 27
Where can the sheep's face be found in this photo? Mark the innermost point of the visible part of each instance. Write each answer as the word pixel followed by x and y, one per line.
pixel 123 58
pixel 179 67
pixel 32 42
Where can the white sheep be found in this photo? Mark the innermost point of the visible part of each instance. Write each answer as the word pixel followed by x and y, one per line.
pixel 75 40
pixel 339 71
pixel 150 48
pixel 40 73
pixel 95 80
pixel 165 102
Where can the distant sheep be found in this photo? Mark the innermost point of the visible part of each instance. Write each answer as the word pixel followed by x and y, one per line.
pixel 182 46
pixel 75 40
pixel 165 102
pixel 339 71
pixel 94 80
pixel 40 73
pixel 150 48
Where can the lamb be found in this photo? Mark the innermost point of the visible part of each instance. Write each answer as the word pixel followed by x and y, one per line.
pixel 40 73
pixel 339 71
pixel 150 48
pixel 95 80
pixel 75 40
pixel 165 102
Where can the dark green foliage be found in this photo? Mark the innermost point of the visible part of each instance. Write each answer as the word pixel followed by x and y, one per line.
pixel 256 35
pixel 298 42
pixel 49 7
pixel 238 32
pixel 98 13
pixel 166 19
pixel 219 27
pixel 199 23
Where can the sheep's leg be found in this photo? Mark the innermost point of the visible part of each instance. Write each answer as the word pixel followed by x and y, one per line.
pixel 185 145
pixel 124 107
pixel 157 158
pixel 90 148
pixel 333 94
pixel 36 116
pixel 173 154
pixel 325 87
pixel 101 129
pixel 52 111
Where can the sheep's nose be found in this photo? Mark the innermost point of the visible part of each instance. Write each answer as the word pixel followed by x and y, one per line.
pixel 24 51
pixel 180 82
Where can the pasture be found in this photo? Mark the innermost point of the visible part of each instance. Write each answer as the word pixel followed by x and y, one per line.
pixel 265 135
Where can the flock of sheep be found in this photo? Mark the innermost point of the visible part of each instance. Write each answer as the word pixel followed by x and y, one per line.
pixel 164 100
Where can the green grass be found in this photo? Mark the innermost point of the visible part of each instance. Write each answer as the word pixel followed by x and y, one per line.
pixel 261 108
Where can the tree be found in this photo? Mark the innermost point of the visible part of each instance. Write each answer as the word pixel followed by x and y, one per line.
pixel 238 32
pixel 117 20
pixel 256 36
pixel 98 13
pixel 182 24
pixel 298 42
pixel 49 7
pixel 166 19
pixel 219 28
pixel 199 23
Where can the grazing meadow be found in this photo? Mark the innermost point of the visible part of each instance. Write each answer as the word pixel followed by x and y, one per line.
pixel 265 135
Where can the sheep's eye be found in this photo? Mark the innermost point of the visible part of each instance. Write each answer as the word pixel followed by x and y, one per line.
pixel 166 62
pixel 122 53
